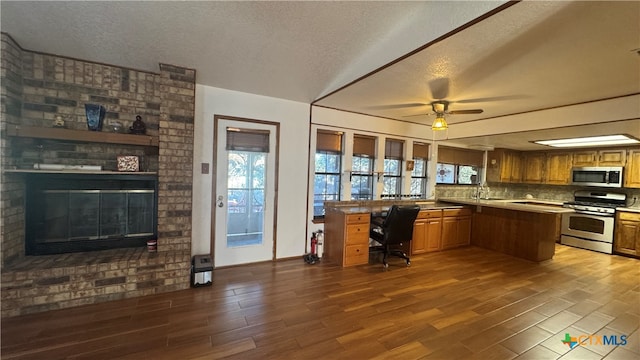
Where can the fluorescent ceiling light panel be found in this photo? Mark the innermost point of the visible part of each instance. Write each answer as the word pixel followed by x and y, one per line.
pixel 590 141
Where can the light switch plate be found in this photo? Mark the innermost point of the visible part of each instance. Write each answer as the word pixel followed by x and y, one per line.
pixel 205 168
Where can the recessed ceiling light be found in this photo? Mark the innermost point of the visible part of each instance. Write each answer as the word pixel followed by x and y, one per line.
pixel 604 140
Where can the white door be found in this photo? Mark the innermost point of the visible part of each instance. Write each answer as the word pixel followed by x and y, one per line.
pixel 244 202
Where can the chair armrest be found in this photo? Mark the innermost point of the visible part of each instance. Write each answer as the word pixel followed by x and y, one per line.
pixel 377 221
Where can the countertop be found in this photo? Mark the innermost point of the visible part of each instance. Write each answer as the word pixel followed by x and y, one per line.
pixel 530 205
pixel 424 205
pixel 633 209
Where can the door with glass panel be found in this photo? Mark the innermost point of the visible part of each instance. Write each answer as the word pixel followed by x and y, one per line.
pixel 244 197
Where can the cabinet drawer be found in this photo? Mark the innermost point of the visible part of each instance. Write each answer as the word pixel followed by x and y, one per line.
pixel 357 234
pixel 427 214
pixel 622 215
pixel 356 254
pixel 358 218
pixel 456 212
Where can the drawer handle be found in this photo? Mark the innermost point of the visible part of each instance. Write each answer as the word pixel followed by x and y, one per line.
pixel 357 250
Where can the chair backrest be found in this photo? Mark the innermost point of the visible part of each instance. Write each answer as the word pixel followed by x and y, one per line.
pixel 398 225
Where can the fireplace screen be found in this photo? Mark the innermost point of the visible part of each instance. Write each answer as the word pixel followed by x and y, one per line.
pixel 90 215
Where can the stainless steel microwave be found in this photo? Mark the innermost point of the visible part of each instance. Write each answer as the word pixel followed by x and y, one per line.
pixel 597 176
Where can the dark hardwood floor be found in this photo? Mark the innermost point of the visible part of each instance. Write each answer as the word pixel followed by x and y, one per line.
pixel 467 303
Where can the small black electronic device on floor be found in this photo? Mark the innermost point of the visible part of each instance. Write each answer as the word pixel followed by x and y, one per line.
pixel 201 271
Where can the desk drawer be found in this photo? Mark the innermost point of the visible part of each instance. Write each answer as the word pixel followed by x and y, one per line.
pixel 427 214
pixel 456 212
pixel 357 234
pixel 358 218
pixel 356 254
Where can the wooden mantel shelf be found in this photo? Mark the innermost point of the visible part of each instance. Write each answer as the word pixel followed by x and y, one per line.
pixel 81 135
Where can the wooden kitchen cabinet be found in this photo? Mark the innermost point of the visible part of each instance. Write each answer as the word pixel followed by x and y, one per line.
pixel 427 230
pixel 632 170
pixel 533 165
pixel 627 234
pixel 504 166
pixel 558 168
pixel 456 228
pixel 347 237
pixel 610 157
pixel 585 158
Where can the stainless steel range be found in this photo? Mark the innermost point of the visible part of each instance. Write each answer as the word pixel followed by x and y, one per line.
pixel 591 226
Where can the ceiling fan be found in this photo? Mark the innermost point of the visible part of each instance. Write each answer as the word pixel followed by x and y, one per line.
pixel 440 109
pixel 439 90
pixel 440 105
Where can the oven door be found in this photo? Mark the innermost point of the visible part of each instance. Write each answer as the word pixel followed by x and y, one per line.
pixel 590 227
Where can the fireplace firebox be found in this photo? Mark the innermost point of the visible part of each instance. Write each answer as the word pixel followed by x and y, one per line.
pixel 87 212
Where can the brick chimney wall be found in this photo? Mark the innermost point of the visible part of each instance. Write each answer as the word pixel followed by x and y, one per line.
pixel 177 109
pixel 35 88
pixel 12 189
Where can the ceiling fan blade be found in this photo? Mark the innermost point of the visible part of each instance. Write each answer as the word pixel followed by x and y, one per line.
pixel 491 98
pixel 416 115
pixel 395 106
pixel 462 112
pixel 439 88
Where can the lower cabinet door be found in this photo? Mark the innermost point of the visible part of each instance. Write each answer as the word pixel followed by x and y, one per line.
pixel 449 232
pixel 419 239
pixel 434 234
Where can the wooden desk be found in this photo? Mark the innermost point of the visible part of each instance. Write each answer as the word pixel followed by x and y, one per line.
pixel 347 233
pixel 347 237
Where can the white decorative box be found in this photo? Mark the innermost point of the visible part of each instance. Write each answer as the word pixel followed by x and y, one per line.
pixel 128 163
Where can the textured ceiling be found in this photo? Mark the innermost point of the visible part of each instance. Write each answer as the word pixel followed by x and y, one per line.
pixel 527 57
pixel 296 50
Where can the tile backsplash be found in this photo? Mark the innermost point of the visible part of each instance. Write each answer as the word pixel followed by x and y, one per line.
pixel 558 193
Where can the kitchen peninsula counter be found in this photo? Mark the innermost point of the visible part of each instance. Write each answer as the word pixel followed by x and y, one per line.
pixel 528 205
pixel 374 208
pixel 527 229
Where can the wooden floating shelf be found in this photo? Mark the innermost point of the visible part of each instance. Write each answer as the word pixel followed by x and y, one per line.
pixel 81 135
pixel 97 172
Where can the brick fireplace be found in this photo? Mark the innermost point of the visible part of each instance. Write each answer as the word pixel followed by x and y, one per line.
pixel 36 88
pixel 85 212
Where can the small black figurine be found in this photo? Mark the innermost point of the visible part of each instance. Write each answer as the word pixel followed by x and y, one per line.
pixel 138 126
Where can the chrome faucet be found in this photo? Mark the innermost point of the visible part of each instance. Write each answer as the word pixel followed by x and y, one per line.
pixel 480 192
pixel 477 193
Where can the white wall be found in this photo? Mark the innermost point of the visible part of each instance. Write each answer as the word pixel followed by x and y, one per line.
pixel 293 162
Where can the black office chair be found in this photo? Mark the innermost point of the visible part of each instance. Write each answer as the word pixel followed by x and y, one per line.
pixel 394 230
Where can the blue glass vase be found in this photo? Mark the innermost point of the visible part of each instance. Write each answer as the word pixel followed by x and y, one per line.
pixel 95 115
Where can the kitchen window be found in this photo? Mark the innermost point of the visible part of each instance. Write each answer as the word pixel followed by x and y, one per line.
pixel 456 174
pixel 392 177
pixel 328 164
pixel 419 172
pixel 458 166
pixel 467 174
pixel 362 167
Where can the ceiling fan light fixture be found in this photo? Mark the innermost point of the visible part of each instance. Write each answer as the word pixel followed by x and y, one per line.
pixel 439 124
